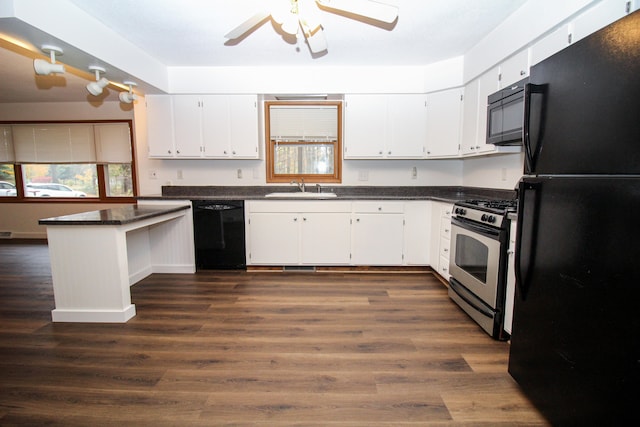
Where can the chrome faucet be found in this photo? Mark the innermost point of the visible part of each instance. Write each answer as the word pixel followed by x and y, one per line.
pixel 300 185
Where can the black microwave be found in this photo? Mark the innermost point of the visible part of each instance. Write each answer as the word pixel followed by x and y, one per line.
pixel 505 115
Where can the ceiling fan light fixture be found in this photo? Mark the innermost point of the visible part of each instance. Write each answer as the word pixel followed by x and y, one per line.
pixel 128 97
pixel 44 68
pixel 95 88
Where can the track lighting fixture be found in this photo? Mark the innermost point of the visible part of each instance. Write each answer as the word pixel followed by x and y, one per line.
pixel 44 68
pixel 95 88
pixel 128 97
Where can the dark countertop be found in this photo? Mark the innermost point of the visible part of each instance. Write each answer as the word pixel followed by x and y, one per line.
pixel 439 193
pixel 114 216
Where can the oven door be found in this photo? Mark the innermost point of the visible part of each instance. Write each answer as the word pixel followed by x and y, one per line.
pixel 475 259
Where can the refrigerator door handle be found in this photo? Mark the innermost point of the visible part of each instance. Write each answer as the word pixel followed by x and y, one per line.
pixel 530 153
pixel 526 232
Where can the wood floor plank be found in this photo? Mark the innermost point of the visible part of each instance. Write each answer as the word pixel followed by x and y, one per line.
pixel 253 348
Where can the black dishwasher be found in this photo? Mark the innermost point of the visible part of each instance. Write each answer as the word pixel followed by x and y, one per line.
pixel 218 227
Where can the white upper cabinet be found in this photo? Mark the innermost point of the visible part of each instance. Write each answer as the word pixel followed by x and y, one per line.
pixel 385 126
pixel 599 16
pixel 444 113
pixel 203 126
pixel 474 127
pixel 160 126
pixel 187 115
pixel 514 69
pixel 552 43
pixel 230 126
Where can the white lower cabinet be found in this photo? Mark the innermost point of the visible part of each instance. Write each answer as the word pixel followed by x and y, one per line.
pixel 441 240
pixel 298 233
pixel 325 238
pixel 274 238
pixel 372 233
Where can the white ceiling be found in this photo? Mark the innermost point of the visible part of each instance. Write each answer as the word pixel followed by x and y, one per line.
pixel 191 33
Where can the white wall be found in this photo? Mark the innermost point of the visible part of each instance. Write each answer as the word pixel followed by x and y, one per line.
pixel 501 171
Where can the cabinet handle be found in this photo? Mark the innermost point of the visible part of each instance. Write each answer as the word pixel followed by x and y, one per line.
pixel 177 151
pixel 304 219
pixel 379 208
pixel 295 219
pixel 444 268
pixel 225 151
pixel 523 72
pixel 389 152
pixel 169 151
pixel 446 230
pixel 357 219
pixel 446 249
pixel 379 152
pixel 233 152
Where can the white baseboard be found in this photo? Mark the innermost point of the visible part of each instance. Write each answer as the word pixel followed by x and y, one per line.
pixel 94 316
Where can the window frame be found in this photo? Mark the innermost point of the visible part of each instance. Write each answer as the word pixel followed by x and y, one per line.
pixel 272 177
pixel 101 170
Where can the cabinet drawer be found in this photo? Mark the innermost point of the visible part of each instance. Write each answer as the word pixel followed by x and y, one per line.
pixel 316 206
pixel 378 207
pixel 443 267
pixel 445 227
pixel 444 247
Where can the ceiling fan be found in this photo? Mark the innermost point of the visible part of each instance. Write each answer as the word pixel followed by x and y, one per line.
pixel 303 14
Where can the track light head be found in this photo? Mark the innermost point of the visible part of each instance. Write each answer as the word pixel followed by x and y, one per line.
pixel 44 68
pixel 95 88
pixel 128 97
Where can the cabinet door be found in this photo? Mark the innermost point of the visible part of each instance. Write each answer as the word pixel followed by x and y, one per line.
pixel 550 44
pixel 274 238
pixel 444 111
pixel 470 117
pixel 377 239
pixel 187 114
pixel 365 126
pixel 160 125
pixel 417 232
pixel 514 69
pixel 326 238
pixel 243 126
pixel 407 116
pixel 216 129
pixel 488 84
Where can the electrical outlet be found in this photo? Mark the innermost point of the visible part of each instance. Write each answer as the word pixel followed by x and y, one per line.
pixel 239 173
pixel 179 174
pixel 503 174
pixel 363 176
pixel 414 172
pixel 153 175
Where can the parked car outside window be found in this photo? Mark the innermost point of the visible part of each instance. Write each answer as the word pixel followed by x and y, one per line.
pixel 53 190
pixel 7 189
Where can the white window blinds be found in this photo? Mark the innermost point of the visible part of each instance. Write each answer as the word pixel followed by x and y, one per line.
pixel 6 145
pixel 71 143
pixel 113 143
pixel 303 123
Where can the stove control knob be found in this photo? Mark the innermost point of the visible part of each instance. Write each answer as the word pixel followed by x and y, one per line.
pixel 484 217
pixel 460 211
pixel 491 219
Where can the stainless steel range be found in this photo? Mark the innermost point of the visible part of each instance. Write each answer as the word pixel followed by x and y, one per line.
pixel 478 263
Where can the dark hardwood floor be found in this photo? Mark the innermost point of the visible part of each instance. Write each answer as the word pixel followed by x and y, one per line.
pixel 238 348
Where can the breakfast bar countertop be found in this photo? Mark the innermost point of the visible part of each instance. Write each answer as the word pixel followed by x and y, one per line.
pixel 114 216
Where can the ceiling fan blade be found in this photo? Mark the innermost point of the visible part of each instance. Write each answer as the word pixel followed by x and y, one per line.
pixel 368 8
pixel 247 25
pixel 316 41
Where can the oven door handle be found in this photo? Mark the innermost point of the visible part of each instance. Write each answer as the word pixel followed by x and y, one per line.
pixel 460 291
pixel 481 229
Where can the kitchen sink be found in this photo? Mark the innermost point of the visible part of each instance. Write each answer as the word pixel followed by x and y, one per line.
pixel 301 195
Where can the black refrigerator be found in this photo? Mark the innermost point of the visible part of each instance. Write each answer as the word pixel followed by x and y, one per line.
pixel 575 344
